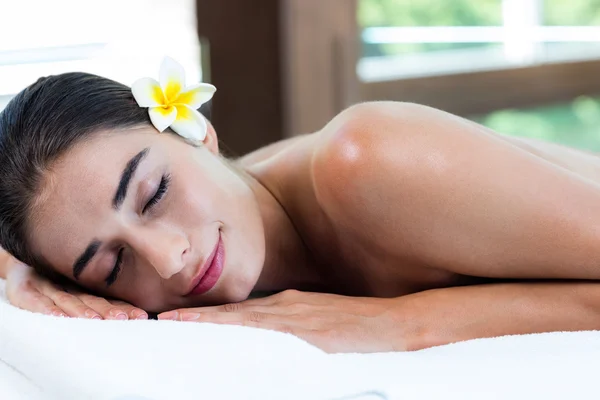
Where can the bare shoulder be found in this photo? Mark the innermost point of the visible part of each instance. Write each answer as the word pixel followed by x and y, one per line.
pixel 412 176
pixel 370 149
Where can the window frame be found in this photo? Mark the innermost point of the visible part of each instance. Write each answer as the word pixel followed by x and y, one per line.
pixel 321 52
pixel 480 92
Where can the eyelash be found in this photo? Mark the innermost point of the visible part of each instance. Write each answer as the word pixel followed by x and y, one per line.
pixel 116 269
pixel 158 195
pixel 160 192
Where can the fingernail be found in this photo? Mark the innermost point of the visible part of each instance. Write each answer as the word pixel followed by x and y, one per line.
pixel 92 315
pixel 58 314
pixel 141 315
pixel 120 315
pixel 190 316
pixel 168 315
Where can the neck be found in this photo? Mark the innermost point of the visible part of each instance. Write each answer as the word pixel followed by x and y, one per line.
pixel 288 261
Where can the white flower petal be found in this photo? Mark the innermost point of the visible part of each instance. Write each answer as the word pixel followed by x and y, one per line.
pixel 189 123
pixel 172 78
pixel 162 117
pixel 196 95
pixel 147 93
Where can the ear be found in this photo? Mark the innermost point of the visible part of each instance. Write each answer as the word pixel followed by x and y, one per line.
pixel 211 141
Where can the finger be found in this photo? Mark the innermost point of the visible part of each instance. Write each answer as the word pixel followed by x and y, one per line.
pixel 25 294
pixel 251 319
pixel 109 309
pixel 39 303
pixel 282 301
pixel 238 308
pixel 261 321
pixel 200 315
pixel 67 302
pixel 103 307
pixel 248 318
pixel 132 311
pixel 259 304
pixel 254 320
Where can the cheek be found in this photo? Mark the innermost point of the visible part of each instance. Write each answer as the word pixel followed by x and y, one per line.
pixel 207 192
pixel 145 292
pixel 195 201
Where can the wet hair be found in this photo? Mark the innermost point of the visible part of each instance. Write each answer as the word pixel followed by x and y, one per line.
pixel 37 127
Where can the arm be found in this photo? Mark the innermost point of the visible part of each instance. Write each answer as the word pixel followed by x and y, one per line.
pixel 443 316
pixel 417 321
pixel 443 192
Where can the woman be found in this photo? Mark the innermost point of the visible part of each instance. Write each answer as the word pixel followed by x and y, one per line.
pixel 400 226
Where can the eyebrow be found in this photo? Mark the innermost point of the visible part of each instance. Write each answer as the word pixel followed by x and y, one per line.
pixel 84 259
pixel 126 176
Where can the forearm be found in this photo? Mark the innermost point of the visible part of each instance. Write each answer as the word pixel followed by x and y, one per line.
pixel 450 315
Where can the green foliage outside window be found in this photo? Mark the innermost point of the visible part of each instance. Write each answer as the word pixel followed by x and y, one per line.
pixel 572 12
pixel 374 13
pixel 576 123
pixel 378 13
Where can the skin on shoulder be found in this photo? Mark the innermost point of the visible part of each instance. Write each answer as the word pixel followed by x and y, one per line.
pixel 426 186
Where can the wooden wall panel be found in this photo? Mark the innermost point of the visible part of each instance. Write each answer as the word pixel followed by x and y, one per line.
pixel 281 67
pixel 245 67
pixel 320 50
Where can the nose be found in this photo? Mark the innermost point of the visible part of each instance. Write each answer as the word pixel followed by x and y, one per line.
pixel 162 248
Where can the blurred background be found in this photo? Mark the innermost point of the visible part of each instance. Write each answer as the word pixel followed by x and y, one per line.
pixel 284 67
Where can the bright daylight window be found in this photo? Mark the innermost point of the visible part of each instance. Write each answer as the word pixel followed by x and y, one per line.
pixel 420 38
pixel 406 38
pixel 120 39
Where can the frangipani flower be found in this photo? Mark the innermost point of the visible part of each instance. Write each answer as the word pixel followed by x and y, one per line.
pixel 171 103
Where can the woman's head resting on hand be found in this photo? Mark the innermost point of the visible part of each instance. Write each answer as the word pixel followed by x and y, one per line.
pixel 89 189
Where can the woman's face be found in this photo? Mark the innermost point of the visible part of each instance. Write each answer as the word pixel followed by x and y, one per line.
pixel 149 219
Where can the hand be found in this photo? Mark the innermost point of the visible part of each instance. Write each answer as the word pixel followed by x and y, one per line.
pixel 333 323
pixel 28 290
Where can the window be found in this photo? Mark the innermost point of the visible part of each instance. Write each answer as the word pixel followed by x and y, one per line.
pixel 575 123
pixel 521 67
pixel 122 40
pixel 410 38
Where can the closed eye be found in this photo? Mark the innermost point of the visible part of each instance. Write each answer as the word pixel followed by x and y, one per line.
pixel 114 273
pixel 159 194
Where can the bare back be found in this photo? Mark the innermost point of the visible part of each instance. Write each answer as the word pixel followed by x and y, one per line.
pixel 361 260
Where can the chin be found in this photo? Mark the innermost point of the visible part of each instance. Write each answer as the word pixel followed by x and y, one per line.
pixel 239 291
pixel 238 297
pixel 238 287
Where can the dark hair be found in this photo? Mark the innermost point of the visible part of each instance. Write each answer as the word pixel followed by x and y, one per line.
pixel 37 127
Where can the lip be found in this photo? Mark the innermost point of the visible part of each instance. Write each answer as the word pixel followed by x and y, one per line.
pixel 211 271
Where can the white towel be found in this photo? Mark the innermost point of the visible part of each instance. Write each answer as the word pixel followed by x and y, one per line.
pixel 60 358
pixel 69 358
pixel 15 386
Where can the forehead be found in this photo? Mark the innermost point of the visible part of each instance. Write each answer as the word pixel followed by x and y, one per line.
pixel 76 194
